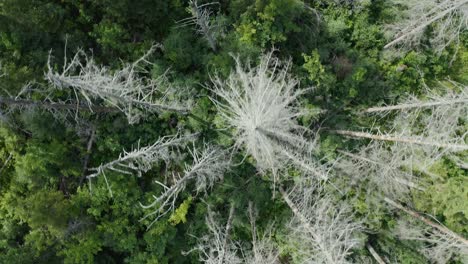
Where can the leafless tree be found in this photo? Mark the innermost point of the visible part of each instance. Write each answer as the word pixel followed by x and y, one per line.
pixel 263 249
pixel 322 230
pixel 201 18
pixel 374 254
pixel 125 89
pixel 403 139
pixel 448 19
pixel 261 105
pixel 441 243
pixel 387 168
pixel 208 167
pixel 34 97
pixel 431 126
pixel 217 247
pixel 456 95
pixel 5 163
pixel 141 159
pixel 423 130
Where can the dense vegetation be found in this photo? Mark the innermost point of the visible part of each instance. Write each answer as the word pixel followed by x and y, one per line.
pixel 237 131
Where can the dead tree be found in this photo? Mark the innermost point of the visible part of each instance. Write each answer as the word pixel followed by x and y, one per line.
pixel 430 126
pixel 141 159
pixel 125 89
pixel 456 95
pixel 387 169
pixel 322 230
pixel 443 243
pixel 217 247
pixel 374 254
pixel 448 18
pixel 261 105
pixel 40 98
pixel 89 146
pixel 208 167
pixel 263 249
pixel 201 18
pixel 50 105
pixel 402 139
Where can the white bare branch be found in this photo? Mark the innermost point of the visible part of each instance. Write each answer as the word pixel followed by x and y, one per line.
pixel 36 98
pixel 142 159
pixel 423 130
pixel 263 249
pixel 201 18
pixel 436 246
pixel 260 104
pixel 387 168
pixel 448 18
pixel 322 229
pixel 409 140
pixel 218 248
pixel 125 89
pixel 374 254
pixel 456 95
pixel 442 243
pixel 208 167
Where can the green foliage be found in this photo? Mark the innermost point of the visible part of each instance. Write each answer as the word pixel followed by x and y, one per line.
pixel 180 214
pixel 445 197
pixel 313 67
pixel 269 22
pixel 50 212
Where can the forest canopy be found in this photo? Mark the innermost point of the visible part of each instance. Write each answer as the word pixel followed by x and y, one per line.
pixel 234 131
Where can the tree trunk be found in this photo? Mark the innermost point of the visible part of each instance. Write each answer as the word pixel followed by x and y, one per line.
pixel 375 255
pixel 399 180
pixel 425 24
pixel 58 106
pixel 415 105
pixel 356 134
pixel 228 230
pixel 421 218
pixel 87 156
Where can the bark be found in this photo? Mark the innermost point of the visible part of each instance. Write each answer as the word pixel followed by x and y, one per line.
pixel 202 22
pixel 303 219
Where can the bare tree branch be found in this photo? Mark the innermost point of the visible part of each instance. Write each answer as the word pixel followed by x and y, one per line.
pixel 460 96
pixel 201 18
pixel 260 104
pixel 263 250
pixel 208 167
pixel 454 147
pixel 126 89
pixel 428 222
pixel 322 230
pixel 212 247
pixel 88 154
pixel 5 164
pixel 448 18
